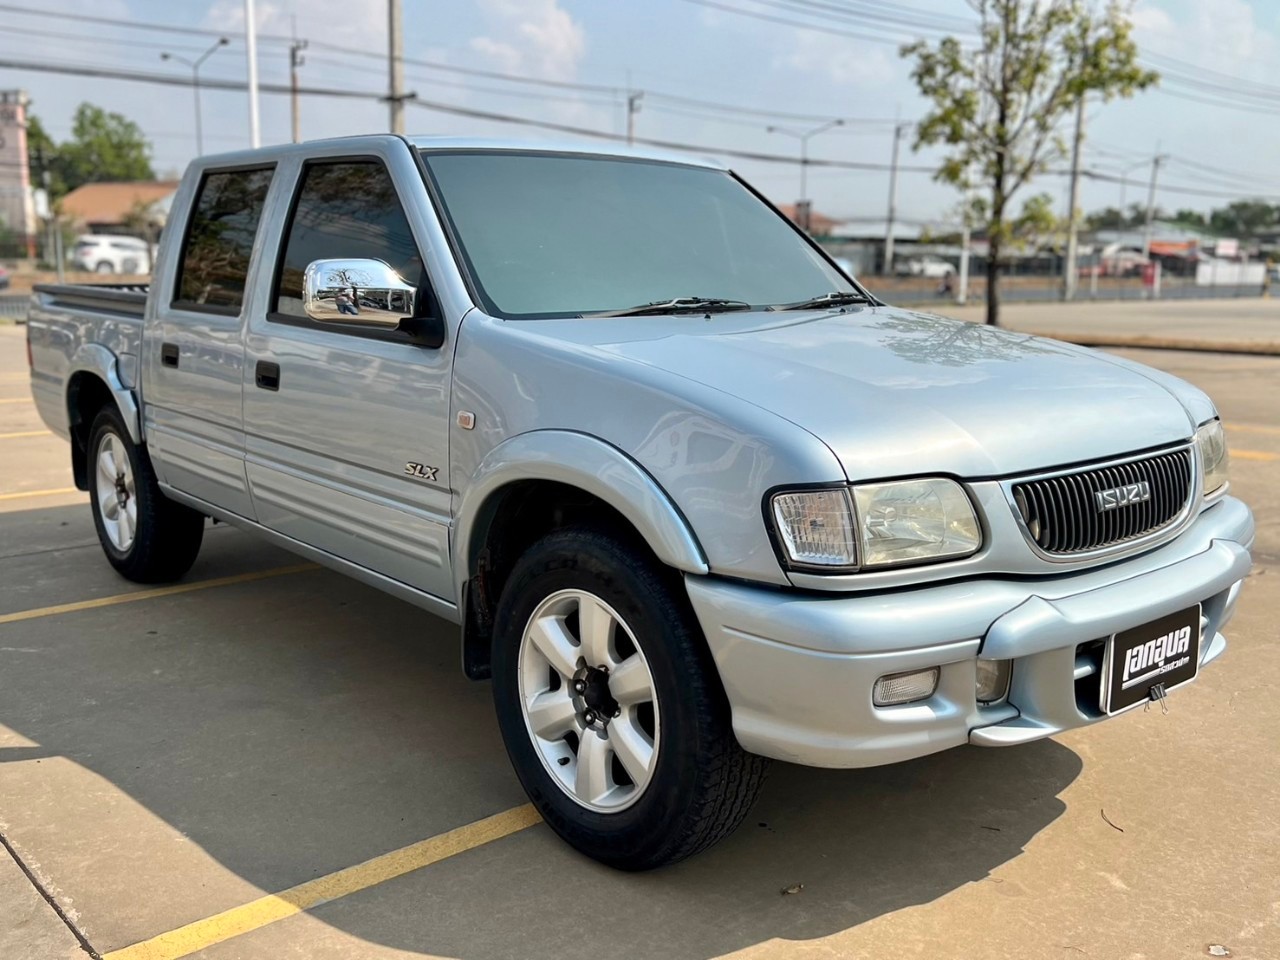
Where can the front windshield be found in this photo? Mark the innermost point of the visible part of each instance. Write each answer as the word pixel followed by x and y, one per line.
pixel 553 235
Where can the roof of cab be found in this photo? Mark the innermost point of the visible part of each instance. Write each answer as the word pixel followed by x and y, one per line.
pixel 580 147
pixel 584 147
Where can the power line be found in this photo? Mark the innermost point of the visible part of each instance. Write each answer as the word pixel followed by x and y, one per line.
pixel 98 41
pixel 654 141
pixel 381 58
pixel 77 17
pixel 820 28
pixel 1195 68
pixel 176 80
pixel 87 70
pixel 880 21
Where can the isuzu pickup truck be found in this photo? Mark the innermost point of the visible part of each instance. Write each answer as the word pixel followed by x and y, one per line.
pixel 694 497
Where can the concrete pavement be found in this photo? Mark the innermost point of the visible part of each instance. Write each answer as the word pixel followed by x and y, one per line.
pixel 1249 324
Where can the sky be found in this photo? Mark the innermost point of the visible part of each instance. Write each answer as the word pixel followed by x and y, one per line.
pixel 812 64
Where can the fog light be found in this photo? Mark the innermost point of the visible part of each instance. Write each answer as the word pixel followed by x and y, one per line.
pixel 993 679
pixel 905 687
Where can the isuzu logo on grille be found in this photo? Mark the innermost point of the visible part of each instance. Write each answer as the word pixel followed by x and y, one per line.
pixel 1123 495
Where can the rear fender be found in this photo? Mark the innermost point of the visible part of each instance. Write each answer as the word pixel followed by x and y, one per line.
pixel 96 359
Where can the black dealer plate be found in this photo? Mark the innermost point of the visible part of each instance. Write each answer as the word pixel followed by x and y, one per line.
pixel 1165 651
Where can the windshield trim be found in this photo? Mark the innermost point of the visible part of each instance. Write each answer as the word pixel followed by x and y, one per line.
pixel 471 277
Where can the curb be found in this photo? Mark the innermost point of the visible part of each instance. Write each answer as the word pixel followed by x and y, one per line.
pixel 1255 348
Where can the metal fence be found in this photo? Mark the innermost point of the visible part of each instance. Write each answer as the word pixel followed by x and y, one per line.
pixel 1048 288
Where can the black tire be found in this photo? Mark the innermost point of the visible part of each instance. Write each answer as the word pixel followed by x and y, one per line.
pixel 168 535
pixel 703 783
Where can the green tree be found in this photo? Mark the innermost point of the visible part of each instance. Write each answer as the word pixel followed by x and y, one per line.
pixel 998 107
pixel 1244 218
pixel 1191 218
pixel 103 146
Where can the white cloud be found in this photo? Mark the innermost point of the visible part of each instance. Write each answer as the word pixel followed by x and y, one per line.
pixel 1151 20
pixel 839 60
pixel 1225 30
pixel 531 37
pixel 352 23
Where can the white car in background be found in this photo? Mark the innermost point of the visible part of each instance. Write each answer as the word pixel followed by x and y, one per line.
pixel 107 253
pixel 934 267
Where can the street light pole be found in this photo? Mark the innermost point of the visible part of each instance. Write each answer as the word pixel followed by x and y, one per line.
pixel 802 210
pixel 195 82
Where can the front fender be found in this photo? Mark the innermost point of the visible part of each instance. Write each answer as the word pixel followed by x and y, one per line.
pixel 591 465
pixel 96 359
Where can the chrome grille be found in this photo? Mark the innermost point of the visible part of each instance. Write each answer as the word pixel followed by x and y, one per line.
pixel 1062 513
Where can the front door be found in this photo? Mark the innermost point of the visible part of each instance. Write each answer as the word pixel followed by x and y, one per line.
pixel 347 428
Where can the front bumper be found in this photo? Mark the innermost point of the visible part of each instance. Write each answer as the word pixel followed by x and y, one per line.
pixel 799 668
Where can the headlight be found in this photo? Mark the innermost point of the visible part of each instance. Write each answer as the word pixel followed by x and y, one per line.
pixel 876 524
pixel 915 520
pixel 1211 443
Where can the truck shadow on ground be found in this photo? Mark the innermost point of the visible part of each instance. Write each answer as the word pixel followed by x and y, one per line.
pixel 298 725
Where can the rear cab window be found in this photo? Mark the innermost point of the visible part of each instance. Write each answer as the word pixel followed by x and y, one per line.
pixel 220 239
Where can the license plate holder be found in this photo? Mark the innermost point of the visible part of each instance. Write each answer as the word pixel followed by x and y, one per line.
pixel 1163 651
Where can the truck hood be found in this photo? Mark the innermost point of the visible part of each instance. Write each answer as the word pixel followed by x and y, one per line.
pixel 895 393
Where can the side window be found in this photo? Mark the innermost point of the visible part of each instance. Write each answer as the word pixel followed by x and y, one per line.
pixel 345 210
pixel 215 254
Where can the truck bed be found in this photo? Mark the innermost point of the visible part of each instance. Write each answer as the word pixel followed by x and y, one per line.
pixel 74 326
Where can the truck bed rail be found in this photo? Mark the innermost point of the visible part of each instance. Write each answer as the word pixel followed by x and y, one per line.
pixel 120 299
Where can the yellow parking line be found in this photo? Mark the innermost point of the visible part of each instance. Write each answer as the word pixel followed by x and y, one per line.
pixel 15 400
pixel 1254 455
pixel 201 934
pixel 1253 428
pixel 38 493
pixel 25 433
pixel 152 593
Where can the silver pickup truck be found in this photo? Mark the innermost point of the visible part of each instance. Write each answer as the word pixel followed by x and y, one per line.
pixel 694 497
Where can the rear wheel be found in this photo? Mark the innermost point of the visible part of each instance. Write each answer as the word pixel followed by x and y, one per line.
pixel 104 266
pixel 610 705
pixel 146 536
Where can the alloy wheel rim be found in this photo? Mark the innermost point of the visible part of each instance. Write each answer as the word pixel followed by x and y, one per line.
pixel 588 701
pixel 116 492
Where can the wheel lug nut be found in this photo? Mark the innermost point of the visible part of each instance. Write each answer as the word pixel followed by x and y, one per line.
pixel 617 712
pixel 579 687
pixel 589 716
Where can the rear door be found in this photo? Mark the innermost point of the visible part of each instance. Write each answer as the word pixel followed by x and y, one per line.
pixel 347 428
pixel 193 347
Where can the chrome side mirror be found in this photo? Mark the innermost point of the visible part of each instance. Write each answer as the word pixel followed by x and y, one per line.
pixel 363 292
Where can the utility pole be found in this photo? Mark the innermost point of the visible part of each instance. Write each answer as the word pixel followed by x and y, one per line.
pixel 295 61
pixel 1069 269
pixel 898 130
pixel 395 39
pixel 251 56
pixel 633 107
pixel 1158 159
pixel 195 82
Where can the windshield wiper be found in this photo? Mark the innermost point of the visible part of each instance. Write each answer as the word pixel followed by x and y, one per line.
pixel 836 299
pixel 676 305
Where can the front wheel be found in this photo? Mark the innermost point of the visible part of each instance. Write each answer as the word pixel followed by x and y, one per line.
pixel 146 536
pixel 610 706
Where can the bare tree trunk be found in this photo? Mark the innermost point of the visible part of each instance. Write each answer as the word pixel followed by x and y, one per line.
pixel 993 281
